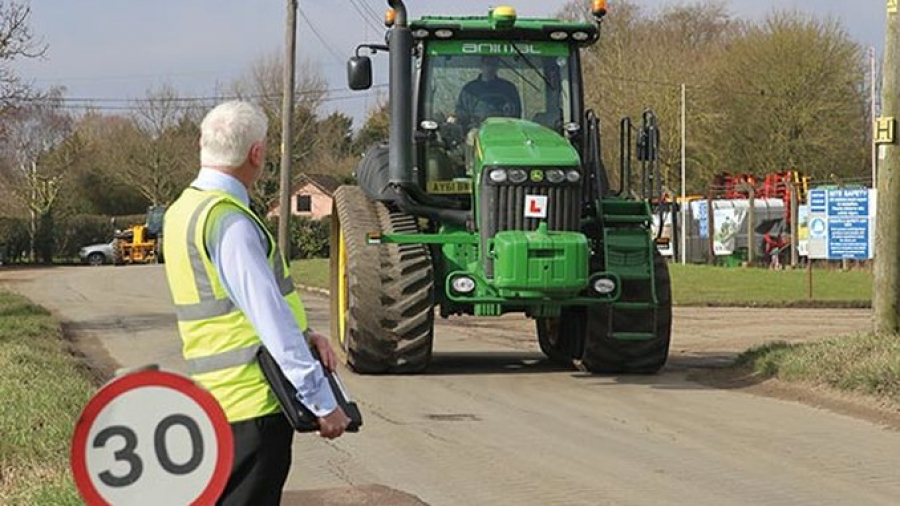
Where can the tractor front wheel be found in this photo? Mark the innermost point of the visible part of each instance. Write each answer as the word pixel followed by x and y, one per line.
pixel 382 307
pixel 604 353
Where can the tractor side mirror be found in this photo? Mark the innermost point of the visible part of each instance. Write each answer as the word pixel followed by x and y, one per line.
pixel 359 73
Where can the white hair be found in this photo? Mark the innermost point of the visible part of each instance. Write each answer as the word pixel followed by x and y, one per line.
pixel 228 131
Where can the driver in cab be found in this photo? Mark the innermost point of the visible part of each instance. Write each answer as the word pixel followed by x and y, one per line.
pixel 489 95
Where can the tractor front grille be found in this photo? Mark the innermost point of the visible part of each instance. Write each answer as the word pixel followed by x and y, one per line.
pixel 502 208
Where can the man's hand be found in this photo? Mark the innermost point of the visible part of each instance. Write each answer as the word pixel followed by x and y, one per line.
pixel 333 424
pixel 326 353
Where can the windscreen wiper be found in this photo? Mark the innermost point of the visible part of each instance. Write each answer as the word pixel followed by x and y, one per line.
pixel 533 66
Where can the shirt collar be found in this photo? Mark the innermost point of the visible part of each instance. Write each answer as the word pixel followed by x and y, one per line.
pixel 209 179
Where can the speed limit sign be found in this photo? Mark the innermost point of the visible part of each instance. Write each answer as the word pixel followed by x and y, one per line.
pixel 152 438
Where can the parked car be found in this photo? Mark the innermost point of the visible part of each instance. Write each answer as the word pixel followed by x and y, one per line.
pixel 97 254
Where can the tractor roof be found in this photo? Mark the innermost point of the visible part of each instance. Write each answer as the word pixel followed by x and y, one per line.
pixel 511 28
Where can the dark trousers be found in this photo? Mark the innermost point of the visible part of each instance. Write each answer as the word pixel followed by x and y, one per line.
pixel 262 457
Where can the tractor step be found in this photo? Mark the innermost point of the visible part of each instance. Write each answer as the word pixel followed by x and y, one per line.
pixel 626 219
pixel 633 336
pixel 634 306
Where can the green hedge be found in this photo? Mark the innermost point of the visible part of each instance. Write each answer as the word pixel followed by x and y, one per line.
pixel 309 238
pixel 14 239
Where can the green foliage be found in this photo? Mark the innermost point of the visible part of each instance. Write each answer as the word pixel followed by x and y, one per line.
pixel 863 363
pixel 309 238
pixel 784 93
pixel 37 416
pixel 75 232
pixel 14 239
pixel 375 130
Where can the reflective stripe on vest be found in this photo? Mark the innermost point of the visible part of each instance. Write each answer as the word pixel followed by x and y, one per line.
pixel 220 343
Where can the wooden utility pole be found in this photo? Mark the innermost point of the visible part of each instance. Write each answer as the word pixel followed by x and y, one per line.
pixel 287 127
pixel 886 300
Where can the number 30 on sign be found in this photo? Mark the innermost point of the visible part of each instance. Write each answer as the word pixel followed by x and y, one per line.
pixel 151 438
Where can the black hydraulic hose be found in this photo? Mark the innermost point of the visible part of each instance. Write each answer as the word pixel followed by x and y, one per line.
pixel 625 155
pixel 409 205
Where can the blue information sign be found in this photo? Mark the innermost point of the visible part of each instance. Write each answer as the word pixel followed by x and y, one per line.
pixel 849 225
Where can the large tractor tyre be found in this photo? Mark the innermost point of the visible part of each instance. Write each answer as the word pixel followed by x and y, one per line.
pixel 562 339
pixel 604 354
pixel 382 308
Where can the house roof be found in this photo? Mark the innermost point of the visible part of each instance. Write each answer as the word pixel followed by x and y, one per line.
pixel 326 183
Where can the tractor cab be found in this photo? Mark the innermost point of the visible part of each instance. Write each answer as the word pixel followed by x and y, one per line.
pixel 463 83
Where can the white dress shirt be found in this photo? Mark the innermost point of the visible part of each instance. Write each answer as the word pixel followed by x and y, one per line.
pixel 238 249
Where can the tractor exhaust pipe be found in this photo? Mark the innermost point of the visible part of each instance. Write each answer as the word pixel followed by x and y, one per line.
pixel 401 129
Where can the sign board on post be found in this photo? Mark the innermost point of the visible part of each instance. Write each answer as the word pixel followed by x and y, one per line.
pixel 841 224
pixel 151 438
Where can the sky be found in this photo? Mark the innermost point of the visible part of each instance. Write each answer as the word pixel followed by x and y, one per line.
pixel 118 49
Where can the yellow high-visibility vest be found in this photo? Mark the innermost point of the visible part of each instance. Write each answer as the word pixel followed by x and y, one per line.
pixel 219 342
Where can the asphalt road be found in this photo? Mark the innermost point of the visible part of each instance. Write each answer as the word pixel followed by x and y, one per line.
pixel 492 423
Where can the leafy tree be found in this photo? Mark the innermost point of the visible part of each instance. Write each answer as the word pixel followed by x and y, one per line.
pixel 791 96
pixel 376 129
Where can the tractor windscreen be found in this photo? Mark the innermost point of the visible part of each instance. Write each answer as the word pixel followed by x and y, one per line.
pixel 467 82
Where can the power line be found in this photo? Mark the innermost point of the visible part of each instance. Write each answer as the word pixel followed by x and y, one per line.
pixel 367 15
pixel 189 99
pixel 124 108
pixel 319 36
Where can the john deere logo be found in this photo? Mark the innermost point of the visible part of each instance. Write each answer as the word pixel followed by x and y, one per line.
pixel 473 48
pixel 537 176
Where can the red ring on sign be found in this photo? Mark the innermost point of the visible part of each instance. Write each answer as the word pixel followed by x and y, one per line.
pixel 181 384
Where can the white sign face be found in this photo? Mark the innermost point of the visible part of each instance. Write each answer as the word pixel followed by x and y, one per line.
pixel 535 206
pixel 152 438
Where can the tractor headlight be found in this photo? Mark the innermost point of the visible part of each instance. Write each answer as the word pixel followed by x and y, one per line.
pixel 497 176
pixel 556 176
pixel 462 284
pixel 604 286
pixel 444 33
pixel 573 176
pixel 580 36
pixel 559 35
pixel 518 176
pixel 421 33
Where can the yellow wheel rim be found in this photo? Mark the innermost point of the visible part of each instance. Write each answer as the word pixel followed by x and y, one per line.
pixel 342 294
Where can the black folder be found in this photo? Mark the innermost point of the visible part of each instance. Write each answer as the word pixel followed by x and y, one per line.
pixel 299 416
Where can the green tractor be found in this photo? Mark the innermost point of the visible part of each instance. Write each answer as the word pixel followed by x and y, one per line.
pixel 492 198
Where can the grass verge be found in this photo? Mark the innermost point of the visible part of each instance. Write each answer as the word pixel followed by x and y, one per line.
pixel 701 285
pixel 865 364
pixel 43 388
pixel 312 272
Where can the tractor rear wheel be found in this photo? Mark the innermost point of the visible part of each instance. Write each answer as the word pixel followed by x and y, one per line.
pixel 561 338
pixel 605 354
pixel 382 307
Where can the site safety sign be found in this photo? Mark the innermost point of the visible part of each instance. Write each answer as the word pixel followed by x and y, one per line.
pixel 841 224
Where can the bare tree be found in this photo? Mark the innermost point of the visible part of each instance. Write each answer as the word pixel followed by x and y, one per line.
pixel 263 85
pixel 38 152
pixel 16 41
pixel 155 150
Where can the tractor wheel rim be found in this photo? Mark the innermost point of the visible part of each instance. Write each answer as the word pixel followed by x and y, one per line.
pixel 343 295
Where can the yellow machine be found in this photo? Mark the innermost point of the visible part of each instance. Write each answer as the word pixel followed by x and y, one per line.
pixel 141 243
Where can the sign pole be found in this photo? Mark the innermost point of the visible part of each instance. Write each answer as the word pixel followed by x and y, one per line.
pixel 683 174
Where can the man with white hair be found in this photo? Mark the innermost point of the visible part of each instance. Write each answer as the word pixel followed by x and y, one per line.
pixel 233 293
